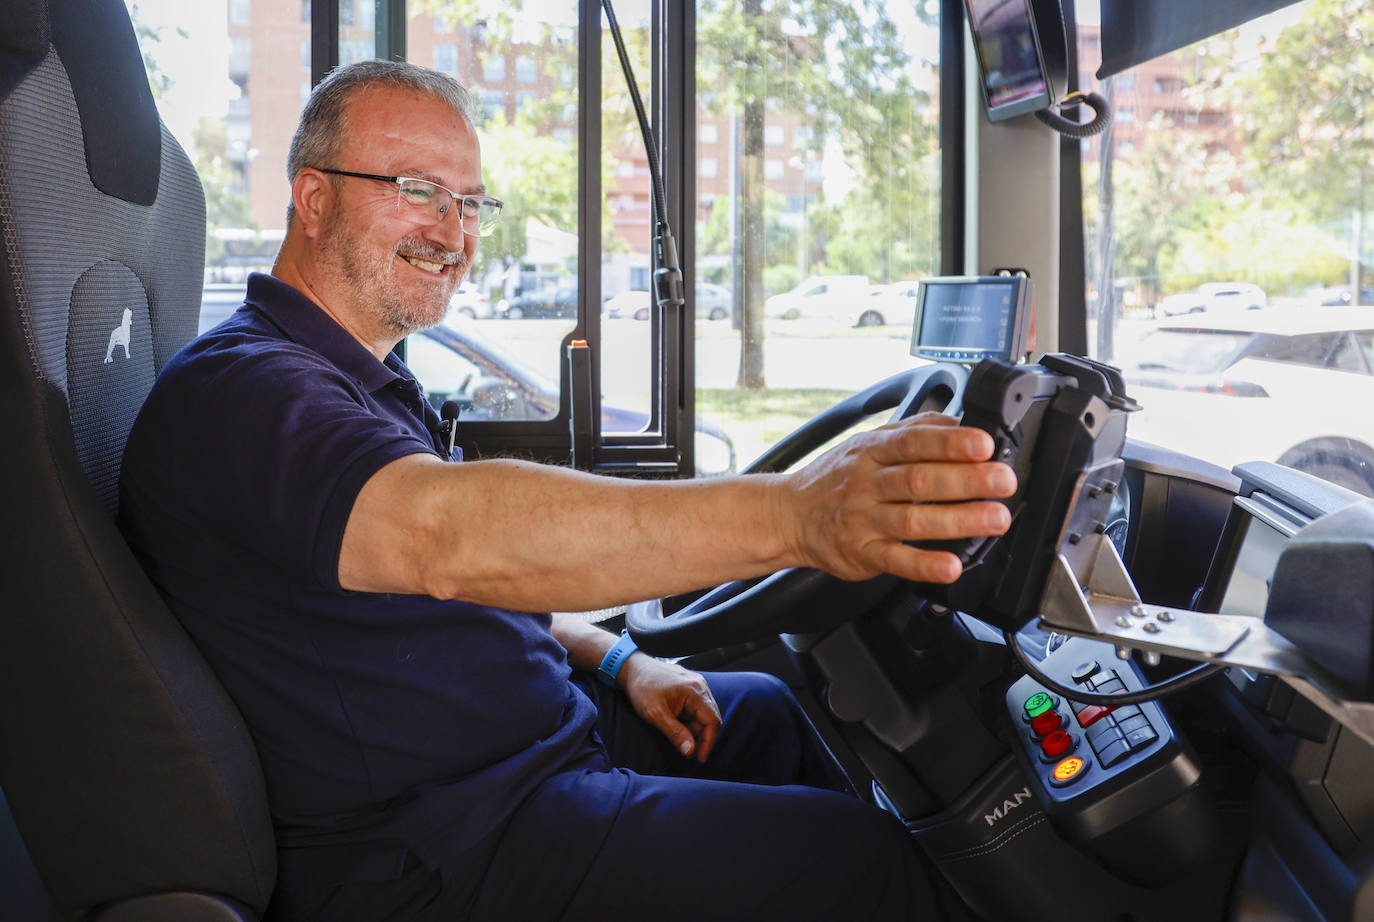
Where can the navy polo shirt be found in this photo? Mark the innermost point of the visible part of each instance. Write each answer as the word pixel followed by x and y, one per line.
pixel 382 720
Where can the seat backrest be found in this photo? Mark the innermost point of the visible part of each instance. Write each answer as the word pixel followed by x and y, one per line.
pixel 128 770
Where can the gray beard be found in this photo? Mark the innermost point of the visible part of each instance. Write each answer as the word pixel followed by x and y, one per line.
pixel 376 290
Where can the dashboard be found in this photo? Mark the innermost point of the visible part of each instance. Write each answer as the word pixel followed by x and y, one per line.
pixel 1300 777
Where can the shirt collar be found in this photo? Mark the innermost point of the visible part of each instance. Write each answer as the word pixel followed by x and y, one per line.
pixel 306 323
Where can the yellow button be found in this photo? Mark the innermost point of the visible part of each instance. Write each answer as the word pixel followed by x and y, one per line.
pixel 1068 769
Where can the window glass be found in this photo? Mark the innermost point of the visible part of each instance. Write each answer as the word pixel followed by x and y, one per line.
pixel 1348 356
pixel 525 274
pixel 226 80
pixel 1239 195
pixel 823 169
pixel 628 216
pixel 1312 349
pixel 1365 338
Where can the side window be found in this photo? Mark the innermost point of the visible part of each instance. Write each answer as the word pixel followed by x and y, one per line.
pixel 525 273
pixel 1311 349
pixel 1365 338
pixel 796 181
pixel 1349 356
pixel 233 105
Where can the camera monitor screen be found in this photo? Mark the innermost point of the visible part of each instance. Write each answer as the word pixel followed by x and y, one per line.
pixel 1014 78
pixel 970 318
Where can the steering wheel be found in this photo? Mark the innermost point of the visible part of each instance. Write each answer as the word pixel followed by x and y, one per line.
pixel 800 599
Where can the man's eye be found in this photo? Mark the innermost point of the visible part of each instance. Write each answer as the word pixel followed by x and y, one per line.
pixel 471 207
pixel 417 195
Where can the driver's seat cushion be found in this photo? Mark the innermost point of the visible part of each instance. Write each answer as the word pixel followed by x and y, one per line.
pixel 128 770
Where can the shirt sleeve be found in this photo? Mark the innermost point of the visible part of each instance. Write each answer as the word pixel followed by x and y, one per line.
pixel 269 450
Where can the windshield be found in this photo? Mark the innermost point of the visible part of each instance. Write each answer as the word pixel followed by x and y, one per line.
pixel 1195 351
pixel 1233 185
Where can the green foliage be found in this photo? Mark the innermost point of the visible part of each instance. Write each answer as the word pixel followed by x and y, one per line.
pixel 148 36
pixel 843 70
pixel 779 278
pixel 224 206
pixel 1187 211
pixel 1308 125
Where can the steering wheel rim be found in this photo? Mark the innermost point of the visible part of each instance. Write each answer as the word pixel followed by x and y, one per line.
pixel 800 599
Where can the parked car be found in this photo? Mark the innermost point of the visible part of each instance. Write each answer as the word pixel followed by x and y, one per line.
pixel 1339 296
pixel 1212 296
pixel 820 296
pixel 885 304
pixel 1244 386
pixel 468 301
pixel 712 303
pixel 633 302
pixel 555 301
pixel 456 362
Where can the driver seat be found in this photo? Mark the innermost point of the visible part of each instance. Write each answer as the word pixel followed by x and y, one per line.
pixel 130 774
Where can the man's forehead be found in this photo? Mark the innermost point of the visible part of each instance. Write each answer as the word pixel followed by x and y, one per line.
pixel 419 134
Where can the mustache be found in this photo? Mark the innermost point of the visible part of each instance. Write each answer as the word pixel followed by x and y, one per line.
pixel 430 252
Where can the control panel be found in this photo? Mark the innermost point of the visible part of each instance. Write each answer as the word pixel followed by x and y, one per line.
pixel 1104 774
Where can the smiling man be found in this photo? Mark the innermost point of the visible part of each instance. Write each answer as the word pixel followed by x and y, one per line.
pixel 433 741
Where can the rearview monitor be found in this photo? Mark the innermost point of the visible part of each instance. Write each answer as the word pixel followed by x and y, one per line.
pixel 967 319
pixel 1011 64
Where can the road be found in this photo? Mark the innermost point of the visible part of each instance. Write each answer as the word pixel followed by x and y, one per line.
pixel 797 354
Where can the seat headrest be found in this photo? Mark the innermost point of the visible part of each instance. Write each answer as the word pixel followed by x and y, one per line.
pixel 23 41
pixel 100 53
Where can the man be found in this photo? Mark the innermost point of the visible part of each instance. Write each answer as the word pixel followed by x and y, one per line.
pixel 368 603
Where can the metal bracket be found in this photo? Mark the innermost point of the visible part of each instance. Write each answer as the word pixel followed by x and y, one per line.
pixel 1101 602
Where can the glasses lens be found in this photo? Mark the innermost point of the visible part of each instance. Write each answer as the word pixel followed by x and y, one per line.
pixel 488 216
pixel 430 199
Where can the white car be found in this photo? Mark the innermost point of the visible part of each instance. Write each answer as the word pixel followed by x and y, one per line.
pixel 468 301
pixel 1214 296
pixel 821 296
pixel 633 302
pixel 1259 385
pixel 887 304
pixel 712 303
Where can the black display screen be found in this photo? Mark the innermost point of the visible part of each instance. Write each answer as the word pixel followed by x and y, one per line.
pixel 970 319
pixel 1009 57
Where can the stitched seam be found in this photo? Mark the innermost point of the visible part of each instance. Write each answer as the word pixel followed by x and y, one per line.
pixel 995 846
pixel 1010 830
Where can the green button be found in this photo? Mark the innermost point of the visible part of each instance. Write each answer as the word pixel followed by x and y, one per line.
pixel 1038 704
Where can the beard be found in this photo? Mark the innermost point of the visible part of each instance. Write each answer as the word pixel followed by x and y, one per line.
pixel 377 289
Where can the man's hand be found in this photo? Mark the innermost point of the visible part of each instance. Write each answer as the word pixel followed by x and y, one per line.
pixel 675 700
pixel 918 479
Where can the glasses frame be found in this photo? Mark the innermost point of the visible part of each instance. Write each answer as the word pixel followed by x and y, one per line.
pixel 463 200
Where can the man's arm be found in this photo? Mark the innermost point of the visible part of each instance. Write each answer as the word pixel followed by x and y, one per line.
pixel 536 537
pixel 675 700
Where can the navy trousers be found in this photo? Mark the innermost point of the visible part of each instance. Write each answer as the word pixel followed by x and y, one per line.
pixel 765 830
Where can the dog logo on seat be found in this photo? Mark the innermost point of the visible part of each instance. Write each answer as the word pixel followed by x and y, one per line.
pixel 120 336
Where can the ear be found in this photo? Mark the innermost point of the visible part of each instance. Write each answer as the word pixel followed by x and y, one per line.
pixel 312 193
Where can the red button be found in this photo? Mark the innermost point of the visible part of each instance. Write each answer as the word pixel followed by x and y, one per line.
pixel 1046 723
pixel 1057 743
pixel 1092 713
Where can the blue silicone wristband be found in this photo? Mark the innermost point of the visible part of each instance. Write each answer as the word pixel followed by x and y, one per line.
pixel 615 658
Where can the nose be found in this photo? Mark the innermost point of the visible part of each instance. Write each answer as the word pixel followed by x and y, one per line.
pixel 448 230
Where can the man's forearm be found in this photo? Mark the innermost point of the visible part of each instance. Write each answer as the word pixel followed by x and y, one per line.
pixel 586 643
pixel 539 538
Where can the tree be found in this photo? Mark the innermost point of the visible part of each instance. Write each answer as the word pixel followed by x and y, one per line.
pixel 1308 122
pixel 535 174
pixel 839 65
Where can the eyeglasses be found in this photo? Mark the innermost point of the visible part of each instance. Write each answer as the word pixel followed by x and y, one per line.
pixel 430 201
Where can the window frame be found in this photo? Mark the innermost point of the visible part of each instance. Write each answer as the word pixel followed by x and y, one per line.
pixel 665 448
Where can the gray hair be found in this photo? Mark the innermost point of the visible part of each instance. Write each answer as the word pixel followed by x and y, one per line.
pixel 324 120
